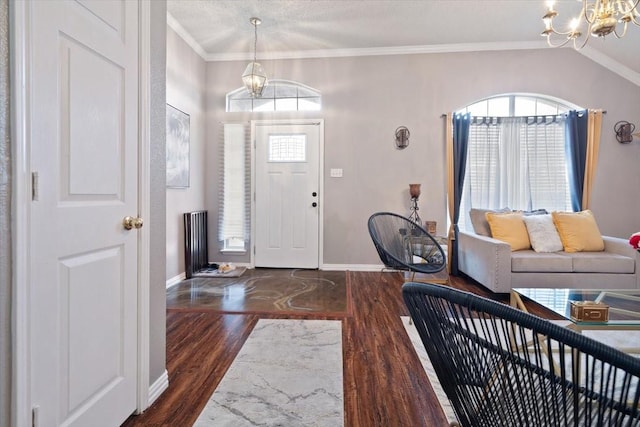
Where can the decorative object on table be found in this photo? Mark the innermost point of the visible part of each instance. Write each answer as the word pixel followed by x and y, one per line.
pixel 431 226
pixel 589 311
pixel 254 77
pixel 601 18
pixel 402 137
pixel 624 131
pixel 634 241
pixel 414 192
pixel 177 148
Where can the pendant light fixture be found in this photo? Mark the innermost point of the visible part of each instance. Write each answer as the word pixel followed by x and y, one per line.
pixel 254 77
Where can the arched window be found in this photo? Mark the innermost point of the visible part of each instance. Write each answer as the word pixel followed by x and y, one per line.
pixel 516 155
pixel 279 95
pixel 514 105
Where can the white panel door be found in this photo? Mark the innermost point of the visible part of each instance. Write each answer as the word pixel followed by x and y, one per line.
pixel 83 79
pixel 287 202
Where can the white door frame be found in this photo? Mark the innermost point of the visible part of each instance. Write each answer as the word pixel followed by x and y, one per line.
pixel 21 405
pixel 320 123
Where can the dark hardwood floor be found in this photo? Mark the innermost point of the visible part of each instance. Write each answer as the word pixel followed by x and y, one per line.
pixel 384 382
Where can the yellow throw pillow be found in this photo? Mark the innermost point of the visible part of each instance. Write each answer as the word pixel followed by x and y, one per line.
pixel 578 231
pixel 510 228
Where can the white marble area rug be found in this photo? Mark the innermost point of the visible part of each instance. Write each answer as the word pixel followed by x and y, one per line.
pixel 288 373
pixel 426 364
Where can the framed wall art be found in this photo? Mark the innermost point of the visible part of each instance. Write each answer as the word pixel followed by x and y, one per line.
pixel 177 148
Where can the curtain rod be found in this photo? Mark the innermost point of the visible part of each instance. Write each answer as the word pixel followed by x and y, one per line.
pixel 546 115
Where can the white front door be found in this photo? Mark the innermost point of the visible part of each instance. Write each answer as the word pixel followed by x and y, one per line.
pixel 83 108
pixel 287 199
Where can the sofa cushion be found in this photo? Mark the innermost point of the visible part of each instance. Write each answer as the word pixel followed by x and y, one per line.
pixel 479 220
pixel 578 231
pixel 510 228
pixel 535 262
pixel 602 262
pixel 542 233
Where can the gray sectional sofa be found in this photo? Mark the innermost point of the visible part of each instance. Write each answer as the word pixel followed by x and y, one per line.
pixel 492 263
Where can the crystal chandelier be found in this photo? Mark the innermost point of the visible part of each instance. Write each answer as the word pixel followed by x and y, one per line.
pixel 254 77
pixel 601 18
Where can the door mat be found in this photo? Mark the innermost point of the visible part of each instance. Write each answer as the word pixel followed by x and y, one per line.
pixel 214 272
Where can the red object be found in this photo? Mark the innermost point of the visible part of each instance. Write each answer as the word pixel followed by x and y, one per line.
pixel 634 240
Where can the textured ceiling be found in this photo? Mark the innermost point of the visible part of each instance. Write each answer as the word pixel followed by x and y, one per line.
pixel 220 29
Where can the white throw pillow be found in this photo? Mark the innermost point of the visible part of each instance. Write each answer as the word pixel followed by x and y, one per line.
pixel 542 233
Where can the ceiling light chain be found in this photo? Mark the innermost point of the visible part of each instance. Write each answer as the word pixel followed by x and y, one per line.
pixel 255 22
pixel 601 16
pixel 254 77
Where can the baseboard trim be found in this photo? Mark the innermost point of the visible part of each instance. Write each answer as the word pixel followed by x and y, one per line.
pixel 175 280
pixel 158 387
pixel 352 267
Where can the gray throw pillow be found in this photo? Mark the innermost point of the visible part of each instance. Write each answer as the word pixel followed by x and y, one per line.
pixel 535 212
pixel 479 220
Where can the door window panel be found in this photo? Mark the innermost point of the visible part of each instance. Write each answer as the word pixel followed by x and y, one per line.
pixel 288 148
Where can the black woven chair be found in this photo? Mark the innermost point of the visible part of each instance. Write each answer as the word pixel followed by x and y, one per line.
pixel 405 245
pixel 500 366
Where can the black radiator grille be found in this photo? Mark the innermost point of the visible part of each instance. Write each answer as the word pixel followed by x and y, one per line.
pixel 196 255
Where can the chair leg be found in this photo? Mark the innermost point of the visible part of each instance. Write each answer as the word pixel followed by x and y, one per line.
pixel 413 276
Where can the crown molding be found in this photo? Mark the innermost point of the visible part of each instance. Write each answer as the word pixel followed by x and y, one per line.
pixel 184 34
pixel 610 64
pixel 378 51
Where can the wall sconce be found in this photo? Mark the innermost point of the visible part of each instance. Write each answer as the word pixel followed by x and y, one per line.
pixel 624 132
pixel 402 137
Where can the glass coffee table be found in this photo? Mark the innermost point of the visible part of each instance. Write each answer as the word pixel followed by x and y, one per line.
pixel 624 307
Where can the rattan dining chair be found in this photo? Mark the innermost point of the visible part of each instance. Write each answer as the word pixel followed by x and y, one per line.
pixel 500 366
pixel 404 245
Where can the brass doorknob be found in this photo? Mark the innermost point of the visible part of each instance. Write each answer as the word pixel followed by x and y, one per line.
pixel 130 222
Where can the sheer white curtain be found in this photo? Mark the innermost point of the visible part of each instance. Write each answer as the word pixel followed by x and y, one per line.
pixel 516 162
pixel 513 189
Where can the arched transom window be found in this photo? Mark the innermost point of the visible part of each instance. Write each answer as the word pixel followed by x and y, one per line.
pixel 279 95
pixel 514 105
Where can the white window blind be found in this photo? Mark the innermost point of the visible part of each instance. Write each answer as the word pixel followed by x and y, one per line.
pixel 233 226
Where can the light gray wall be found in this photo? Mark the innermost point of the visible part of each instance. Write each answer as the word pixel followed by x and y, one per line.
pixel 156 222
pixel 366 98
pixel 185 91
